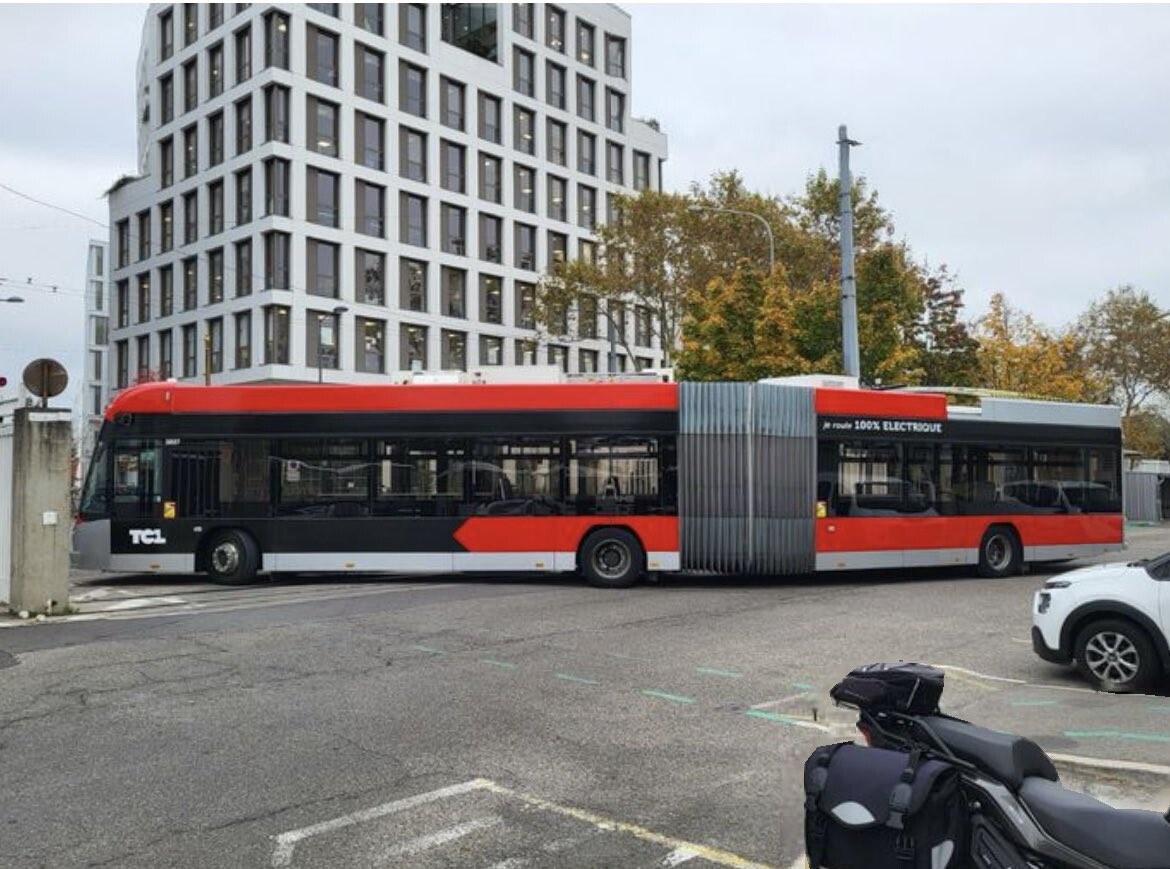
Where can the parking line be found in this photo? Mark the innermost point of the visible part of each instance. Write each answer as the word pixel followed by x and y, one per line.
pixel 569 677
pixel 506 665
pixel 673 698
pixel 1117 734
pixel 787 719
pixel 679 856
pixel 435 840
pixel 715 671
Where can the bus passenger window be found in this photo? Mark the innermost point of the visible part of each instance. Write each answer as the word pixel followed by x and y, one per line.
pixel 324 479
pixel 137 482
pixel 418 477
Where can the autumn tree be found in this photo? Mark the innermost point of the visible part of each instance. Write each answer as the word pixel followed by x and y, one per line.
pixel 1127 346
pixel 1148 433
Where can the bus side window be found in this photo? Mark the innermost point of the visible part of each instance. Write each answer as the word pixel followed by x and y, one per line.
pixel 137 481
pixel 95 502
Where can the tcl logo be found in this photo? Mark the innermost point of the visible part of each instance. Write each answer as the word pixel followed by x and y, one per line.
pixel 147 535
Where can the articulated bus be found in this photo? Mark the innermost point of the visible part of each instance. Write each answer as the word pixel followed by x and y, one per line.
pixel 610 480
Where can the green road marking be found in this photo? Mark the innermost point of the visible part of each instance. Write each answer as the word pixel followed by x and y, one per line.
pixel 569 677
pixel 1160 708
pixel 770 716
pixel 507 665
pixel 430 650
pixel 802 686
pixel 714 671
pixel 1035 703
pixel 673 698
pixel 1117 734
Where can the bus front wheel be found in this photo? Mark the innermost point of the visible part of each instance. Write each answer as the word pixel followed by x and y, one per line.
pixel 232 557
pixel 612 558
pixel 1000 553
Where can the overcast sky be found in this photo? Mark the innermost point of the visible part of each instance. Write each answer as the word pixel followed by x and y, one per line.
pixel 1027 147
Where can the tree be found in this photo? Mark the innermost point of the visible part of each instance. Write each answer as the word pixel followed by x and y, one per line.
pixel 948 353
pixel 1127 346
pixel 1148 433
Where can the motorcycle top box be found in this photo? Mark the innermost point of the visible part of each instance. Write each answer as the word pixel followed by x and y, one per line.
pixel 912 689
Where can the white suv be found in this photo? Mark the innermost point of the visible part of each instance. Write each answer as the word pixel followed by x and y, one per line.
pixel 1112 619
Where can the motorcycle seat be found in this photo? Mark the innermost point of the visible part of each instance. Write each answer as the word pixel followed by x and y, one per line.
pixel 1008 757
pixel 1119 838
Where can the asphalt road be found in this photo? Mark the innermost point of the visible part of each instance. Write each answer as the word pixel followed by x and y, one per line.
pixel 472 722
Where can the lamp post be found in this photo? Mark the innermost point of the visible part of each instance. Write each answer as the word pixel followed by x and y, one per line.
pixel 337 312
pixel 695 207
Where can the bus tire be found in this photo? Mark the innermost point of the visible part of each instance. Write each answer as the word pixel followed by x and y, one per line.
pixel 1000 553
pixel 612 558
pixel 231 557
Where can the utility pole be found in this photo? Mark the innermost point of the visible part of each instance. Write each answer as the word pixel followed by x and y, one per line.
pixel 852 355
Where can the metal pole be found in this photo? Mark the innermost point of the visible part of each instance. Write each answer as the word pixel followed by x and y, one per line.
pixel 206 356
pixel 852 355
pixel 611 334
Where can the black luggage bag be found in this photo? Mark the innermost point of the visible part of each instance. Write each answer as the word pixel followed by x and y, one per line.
pixel 912 689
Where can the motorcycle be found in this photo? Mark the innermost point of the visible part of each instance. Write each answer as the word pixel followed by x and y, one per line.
pixel 1014 812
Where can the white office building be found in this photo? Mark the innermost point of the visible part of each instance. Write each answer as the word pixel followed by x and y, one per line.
pixel 95 391
pixel 354 191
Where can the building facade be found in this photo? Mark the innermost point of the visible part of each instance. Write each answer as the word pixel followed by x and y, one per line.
pixel 95 391
pixel 354 191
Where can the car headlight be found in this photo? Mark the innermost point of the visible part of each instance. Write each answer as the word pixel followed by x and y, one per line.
pixel 1057 583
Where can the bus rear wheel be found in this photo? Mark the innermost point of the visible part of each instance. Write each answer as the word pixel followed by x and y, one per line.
pixel 1000 553
pixel 612 558
pixel 232 557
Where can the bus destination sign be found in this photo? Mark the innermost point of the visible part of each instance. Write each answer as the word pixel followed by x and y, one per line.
pixel 874 425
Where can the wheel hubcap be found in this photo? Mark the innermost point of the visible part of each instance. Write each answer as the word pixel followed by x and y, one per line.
pixel 611 559
pixel 998 552
pixel 225 558
pixel 1111 657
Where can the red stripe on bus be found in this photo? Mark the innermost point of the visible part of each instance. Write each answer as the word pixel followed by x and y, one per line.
pixel 880 533
pixel 875 402
pixel 311 398
pixel 560 533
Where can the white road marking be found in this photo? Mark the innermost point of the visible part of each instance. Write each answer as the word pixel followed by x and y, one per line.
pixel 1104 763
pixel 976 674
pixel 435 840
pixel 679 856
pixel 136 603
pixel 510 863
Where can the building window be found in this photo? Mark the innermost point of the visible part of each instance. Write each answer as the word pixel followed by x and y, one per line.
pixel 412 277
pixel 490 181
pixel 641 171
pixel 190 23
pixel 524 188
pixel 368 16
pixel 557 150
pixel 324 197
pixel 276 260
pixel 615 56
pixel 189 350
pixel 322 339
pixel 412 25
pixel 491 238
pixel 166 34
pixel 454 291
pixel 615 110
pixel 491 299
pixel 242 54
pixel 558 247
pixel 276 177
pixel 215 139
pixel 412 89
pixel 166 161
pixel 489 118
pixel 524 72
pixel 643 326
pixel 554 81
pixel 144 297
pixel 614 158
pixel 276 113
pixel 243 268
pixel 166 98
pixel 525 243
pixel 143 235
pixel 324 122
pixel 587 251
pixel 369 73
pixel 452 167
pixel 243 197
pixel 412 228
pixel 331 9
pixel 412 347
pixel 191 84
pixel 322 55
pixel 585 93
pixel 370 345
pixel 525 352
pixel 524 133
pixel 453 227
pixel 371 208
pixel 587 363
pixel 491 348
pixel 451 97
pixel 559 356
pixel 166 291
pixel 523 19
pixel 323 270
pixel 587 318
pixel 190 284
pixel 369 132
pixel 243 355
pixel 454 346
pixel 370 277
pixel 190 217
pixel 215 276
pixel 412 154
pixel 586 41
pixel 525 305
pixel 586 153
pixel 215 339
pixel 276 39
pixel 123 294
pixel 557 197
pixel 190 151
pixel 276 334
pixel 586 207
pixel 121 358
pixel 215 70
pixel 243 125
pixel 554 29
pixel 472 27
pixel 166 363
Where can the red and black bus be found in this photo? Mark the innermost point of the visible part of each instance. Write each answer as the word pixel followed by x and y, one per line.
pixel 612 480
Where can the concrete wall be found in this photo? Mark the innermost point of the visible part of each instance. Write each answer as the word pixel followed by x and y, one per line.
pixel 5 508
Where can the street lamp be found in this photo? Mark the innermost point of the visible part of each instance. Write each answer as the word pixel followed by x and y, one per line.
pixel 695 207
pixel 337 312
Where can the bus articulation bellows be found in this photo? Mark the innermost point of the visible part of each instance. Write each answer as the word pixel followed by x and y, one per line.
pixel 611 480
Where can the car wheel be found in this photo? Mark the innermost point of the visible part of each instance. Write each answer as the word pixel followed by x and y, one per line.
pixel 612 558
pixel 232 558
pixel 1000 552
pixel 1116 656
